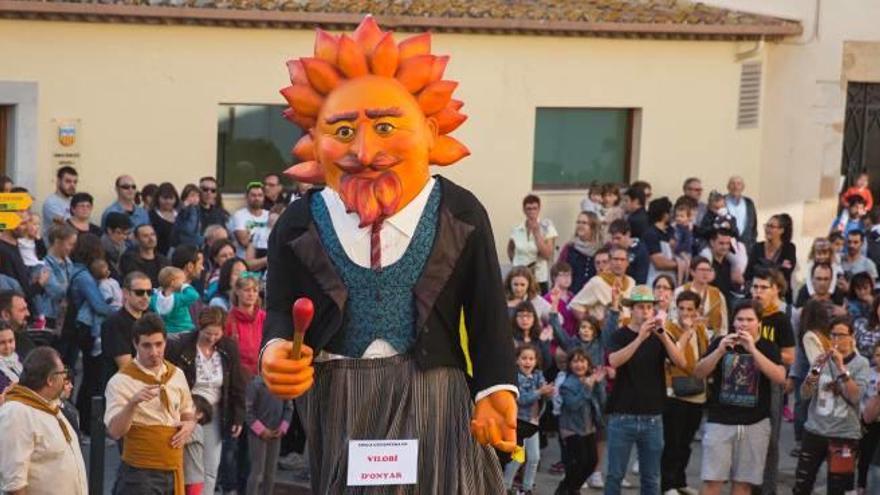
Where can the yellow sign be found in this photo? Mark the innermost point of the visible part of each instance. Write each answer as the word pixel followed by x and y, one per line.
pixel 15 201
pixel 9 221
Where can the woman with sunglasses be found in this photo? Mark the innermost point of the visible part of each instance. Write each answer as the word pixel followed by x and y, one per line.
pixel 776 251
pixel 211 363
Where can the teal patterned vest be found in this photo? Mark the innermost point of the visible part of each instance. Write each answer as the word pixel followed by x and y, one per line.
pixel 380 304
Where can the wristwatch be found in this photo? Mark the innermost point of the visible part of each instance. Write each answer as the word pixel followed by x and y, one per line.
pixel 845 376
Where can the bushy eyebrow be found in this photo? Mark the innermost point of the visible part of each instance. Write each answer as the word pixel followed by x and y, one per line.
pixel 384 112
pixel 340 117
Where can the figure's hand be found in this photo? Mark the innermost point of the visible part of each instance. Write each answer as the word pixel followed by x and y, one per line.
pixel 494 421
pixel 236 431
pixel 285 377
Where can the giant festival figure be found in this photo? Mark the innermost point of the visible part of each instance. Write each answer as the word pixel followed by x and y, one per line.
pixel 396 261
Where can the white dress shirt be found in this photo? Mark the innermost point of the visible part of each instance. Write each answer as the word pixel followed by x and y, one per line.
pixel 35 454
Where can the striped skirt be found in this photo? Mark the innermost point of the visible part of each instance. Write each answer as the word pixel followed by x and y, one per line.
pixel 391 398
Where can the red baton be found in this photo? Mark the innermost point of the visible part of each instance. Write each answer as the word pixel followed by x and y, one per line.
pixel 303 310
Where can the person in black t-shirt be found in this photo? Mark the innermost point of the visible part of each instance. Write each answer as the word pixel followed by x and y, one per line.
pixel 744 367
pixel 768 287
pixel 144 257
pixel 116 339
pixel 638 353
pixel 636 215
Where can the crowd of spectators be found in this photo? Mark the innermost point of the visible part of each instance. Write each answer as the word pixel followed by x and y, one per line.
pixel 658 319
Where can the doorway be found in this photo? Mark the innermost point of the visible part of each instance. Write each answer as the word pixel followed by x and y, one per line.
pixel 861 134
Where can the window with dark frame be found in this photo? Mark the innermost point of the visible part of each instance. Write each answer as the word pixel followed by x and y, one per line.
pixel 252 140
pixel 575 147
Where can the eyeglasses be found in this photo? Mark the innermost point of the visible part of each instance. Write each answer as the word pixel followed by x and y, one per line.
pixel 208 189
pixel 65 372
pixel 141 292
pixel 662 287
pixel 771 226
pixel 839 335
pixel 129 187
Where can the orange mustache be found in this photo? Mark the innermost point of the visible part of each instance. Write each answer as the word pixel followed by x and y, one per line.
pixel 372 198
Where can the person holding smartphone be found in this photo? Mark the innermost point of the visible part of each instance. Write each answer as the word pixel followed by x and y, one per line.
pixel 639 352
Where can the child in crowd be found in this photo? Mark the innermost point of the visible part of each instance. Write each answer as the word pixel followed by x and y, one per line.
pixel 683 225
pixel 838 243
pixel 588 339
pixel 67 408
pixel 533 390
pixel 32 250
pixel 268 419
pixel 173 299
pixel 861 189
pixel 593 201
pixel 579 416
pixel 109 287
pixel 194 453
pixel 611 209
pixel 31 246
pixel 527 330
pixel 560 274
pixel 852 218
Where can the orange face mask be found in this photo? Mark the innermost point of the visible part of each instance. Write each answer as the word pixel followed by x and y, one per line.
pixel 376 115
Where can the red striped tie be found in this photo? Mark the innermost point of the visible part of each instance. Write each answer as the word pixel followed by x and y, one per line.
pixel 376 247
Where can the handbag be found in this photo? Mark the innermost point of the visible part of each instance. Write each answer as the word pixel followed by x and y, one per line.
pixel 842 457
pixel 687 386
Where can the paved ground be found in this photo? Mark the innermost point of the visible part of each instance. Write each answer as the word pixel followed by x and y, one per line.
pixel 546 482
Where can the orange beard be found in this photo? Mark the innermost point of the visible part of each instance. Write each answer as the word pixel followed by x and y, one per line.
pixel 372 198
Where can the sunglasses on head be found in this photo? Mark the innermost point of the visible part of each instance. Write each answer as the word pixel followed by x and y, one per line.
pixel 254 184
pixel 249 275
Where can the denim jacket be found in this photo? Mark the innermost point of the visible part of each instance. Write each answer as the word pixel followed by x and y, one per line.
pixel 92 308
pixel 531 406
pixel 49 302
pixel 580 412
pixel 188 227
pixel 595 349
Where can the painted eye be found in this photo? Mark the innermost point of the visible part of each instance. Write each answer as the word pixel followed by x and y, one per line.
pixel 345 133
pixel 384 128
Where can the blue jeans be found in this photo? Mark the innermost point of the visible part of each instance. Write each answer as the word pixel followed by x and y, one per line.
pixel 646 432
pixel 532 445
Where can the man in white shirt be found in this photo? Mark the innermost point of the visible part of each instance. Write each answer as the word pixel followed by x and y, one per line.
pixel 40 449
pixel 253 216
pixel 56 208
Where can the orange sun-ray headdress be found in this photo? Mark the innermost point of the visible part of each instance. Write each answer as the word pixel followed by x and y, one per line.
pixel 371 51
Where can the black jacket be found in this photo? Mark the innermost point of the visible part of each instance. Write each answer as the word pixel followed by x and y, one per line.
pixel 461 275
pixel 183 354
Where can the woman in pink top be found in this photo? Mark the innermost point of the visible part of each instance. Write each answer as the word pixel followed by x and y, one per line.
pixel 245 322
